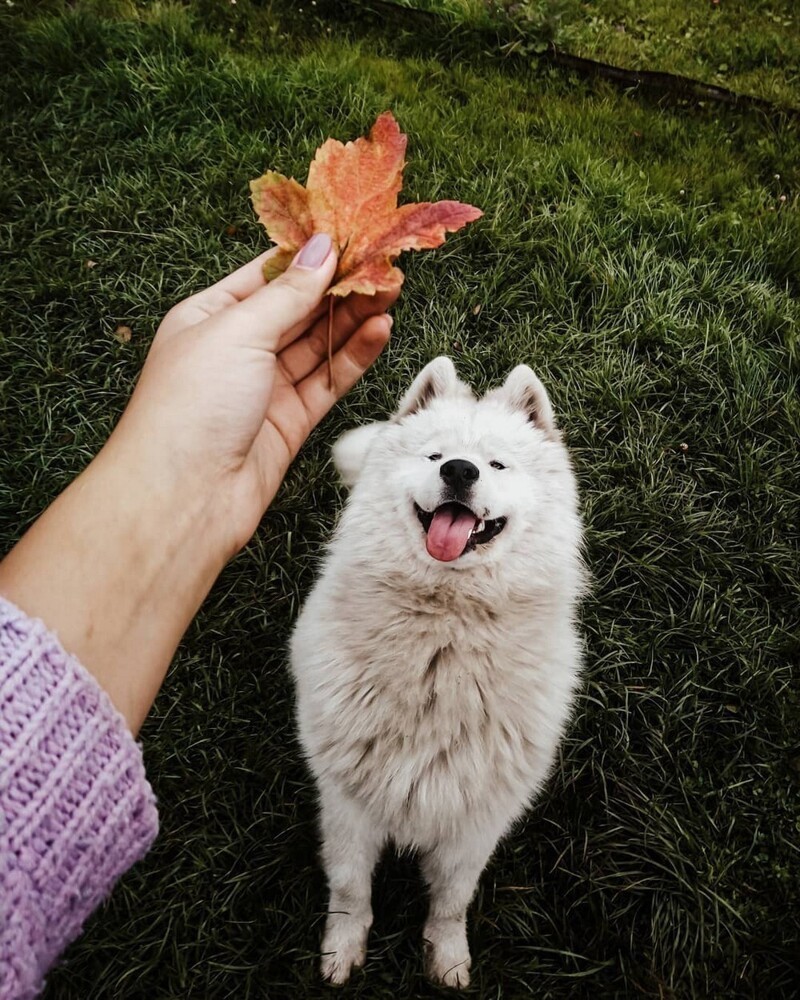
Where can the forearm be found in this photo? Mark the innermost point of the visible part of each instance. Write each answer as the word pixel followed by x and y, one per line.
pixel 117 566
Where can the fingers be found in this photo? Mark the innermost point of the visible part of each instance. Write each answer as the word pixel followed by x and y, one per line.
pixel 287 303
pixel 299 359
pixel 243 284
pixel 239 284
pixel 262 313
pixel 233 288
pixel 350 313
pixel 358 352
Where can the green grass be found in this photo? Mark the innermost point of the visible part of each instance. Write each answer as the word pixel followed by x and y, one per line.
pixel 750 46
pixel 642 261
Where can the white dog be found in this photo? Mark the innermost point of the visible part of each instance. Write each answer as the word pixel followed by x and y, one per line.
pixel 436 658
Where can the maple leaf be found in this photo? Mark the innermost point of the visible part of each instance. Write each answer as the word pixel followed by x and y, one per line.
pixel 351 194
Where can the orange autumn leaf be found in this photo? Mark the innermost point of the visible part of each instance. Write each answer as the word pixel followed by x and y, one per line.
pixel 351 194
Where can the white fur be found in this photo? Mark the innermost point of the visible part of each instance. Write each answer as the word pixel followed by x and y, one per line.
pixel 431 696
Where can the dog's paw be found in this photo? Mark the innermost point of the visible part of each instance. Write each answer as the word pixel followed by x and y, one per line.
pixel 447 958
pixel 344 948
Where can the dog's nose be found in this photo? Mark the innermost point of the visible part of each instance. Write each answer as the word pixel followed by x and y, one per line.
pixel 459 474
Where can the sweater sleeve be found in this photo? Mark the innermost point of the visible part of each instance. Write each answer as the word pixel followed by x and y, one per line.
pixel 75 807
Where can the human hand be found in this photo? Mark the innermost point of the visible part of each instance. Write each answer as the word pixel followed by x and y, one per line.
pixel 237 378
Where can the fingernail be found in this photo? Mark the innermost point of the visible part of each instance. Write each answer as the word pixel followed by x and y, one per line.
pixel 314 252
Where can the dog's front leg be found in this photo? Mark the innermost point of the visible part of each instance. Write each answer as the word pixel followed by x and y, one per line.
pixel 452 870
pixel 351 845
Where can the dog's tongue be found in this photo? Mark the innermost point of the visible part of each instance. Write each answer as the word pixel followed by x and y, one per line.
pixel 449 531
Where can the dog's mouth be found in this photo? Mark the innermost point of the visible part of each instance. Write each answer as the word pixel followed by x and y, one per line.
pixel 452 529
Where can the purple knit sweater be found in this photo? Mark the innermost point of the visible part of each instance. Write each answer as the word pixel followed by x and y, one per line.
pixel 75 807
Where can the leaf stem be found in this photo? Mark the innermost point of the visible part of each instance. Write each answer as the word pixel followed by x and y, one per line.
pixel 331 383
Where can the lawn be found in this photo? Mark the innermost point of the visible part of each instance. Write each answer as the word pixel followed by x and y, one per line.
pixel 750 46
pixel 644 260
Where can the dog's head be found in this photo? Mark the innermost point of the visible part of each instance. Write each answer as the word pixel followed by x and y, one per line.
pixel 460 481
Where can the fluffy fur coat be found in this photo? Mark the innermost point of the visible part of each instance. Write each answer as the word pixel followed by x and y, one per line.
pixel 433 684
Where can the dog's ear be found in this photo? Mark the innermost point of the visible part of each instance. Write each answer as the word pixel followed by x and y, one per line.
pixel 522 390
pixel 435 380
pixel 350 451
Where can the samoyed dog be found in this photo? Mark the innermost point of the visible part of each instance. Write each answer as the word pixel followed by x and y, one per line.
pixel 436 658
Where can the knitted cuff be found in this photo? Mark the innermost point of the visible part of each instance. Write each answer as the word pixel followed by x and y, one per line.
pixel 75 807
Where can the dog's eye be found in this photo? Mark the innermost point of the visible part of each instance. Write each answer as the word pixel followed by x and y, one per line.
pixel 435 456
pixel 497 465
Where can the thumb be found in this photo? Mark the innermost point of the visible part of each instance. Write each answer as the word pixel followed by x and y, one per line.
pixel 286 302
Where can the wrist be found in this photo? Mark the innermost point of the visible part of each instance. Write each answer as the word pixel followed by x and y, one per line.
pixel 155 500
pixel 118 565
pixel 178 489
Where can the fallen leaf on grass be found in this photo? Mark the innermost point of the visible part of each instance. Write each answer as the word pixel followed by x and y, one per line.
pixel 123 334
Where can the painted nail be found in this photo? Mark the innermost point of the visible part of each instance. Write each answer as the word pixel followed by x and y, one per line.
pixel 314 252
